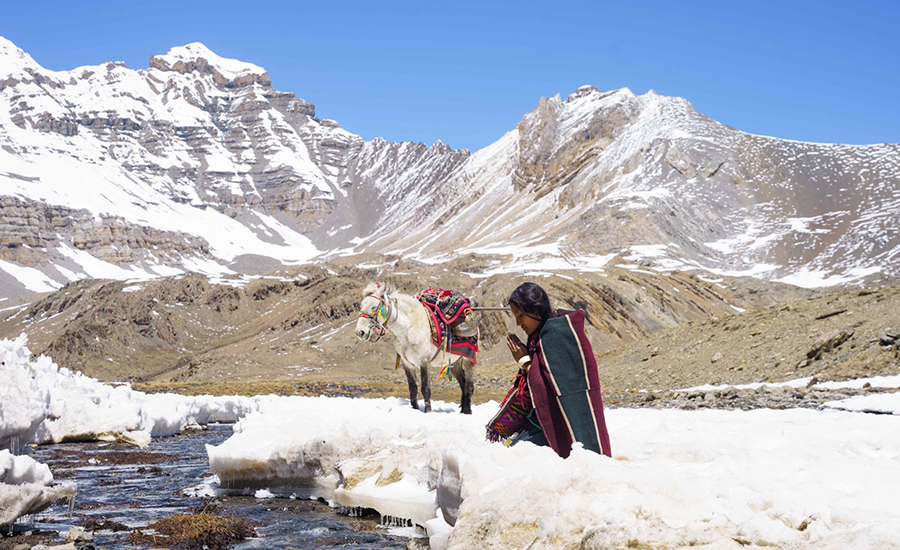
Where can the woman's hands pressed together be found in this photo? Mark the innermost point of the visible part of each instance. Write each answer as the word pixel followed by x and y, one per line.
pixel 518 349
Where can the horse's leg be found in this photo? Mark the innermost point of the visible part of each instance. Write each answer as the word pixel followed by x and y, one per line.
pixel 465 405
pixel 467 384
pixel 411 380
pixel 426 387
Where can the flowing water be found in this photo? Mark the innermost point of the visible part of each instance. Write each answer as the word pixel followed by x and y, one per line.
pixel 135 487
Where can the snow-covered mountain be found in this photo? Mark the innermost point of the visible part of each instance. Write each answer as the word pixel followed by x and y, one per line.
pixel 651 179
pixel 194 164
pixel 198 164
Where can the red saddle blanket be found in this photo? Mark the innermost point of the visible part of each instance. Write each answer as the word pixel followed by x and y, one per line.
pixel 447 308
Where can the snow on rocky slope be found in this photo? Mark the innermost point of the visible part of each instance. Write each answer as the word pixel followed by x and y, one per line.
pixel 198 164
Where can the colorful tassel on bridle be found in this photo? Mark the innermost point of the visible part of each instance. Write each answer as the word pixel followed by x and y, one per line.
pixel 445 372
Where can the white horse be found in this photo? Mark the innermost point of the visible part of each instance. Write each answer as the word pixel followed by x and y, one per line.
pixel 404 321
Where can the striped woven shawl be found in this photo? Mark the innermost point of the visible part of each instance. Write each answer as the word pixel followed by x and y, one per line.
pixel 565 385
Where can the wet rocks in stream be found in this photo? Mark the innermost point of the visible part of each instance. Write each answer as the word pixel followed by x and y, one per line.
pixel 92 523
pixel 24 541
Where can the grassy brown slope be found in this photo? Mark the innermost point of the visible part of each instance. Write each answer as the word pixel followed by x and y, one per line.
pixel 293 333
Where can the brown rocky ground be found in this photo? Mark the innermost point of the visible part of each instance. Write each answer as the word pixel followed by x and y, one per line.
pixel 844 334
pixel 292 332
pixel 834 337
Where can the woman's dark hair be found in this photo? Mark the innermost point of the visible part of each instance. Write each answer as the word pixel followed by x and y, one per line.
pixel 533 300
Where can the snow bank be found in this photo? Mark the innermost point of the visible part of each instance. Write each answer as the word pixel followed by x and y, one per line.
pixel 357 452
pixel 882 403
pixel 43 403
pixel 856 383
pixel 714 479
pixel 26 487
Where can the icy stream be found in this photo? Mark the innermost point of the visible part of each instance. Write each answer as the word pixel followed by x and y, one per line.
pixel 136 486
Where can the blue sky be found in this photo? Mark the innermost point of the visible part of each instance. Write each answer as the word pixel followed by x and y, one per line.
pixel 466 72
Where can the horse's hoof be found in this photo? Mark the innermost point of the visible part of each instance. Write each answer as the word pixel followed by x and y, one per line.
pixel 428 408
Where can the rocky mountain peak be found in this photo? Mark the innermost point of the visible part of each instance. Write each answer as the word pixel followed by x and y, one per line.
pixel 14 60
pixel 196 57
pixel 441 147
pixel 584 91
pixel 555 130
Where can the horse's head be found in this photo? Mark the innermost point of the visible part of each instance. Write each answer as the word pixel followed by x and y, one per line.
pixel 376 312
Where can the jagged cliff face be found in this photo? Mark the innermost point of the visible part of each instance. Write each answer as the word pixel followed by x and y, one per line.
pixel 198 164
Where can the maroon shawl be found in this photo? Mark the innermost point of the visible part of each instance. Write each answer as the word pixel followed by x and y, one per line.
pixel 565 385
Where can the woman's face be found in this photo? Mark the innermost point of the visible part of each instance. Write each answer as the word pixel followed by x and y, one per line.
pixel 524 322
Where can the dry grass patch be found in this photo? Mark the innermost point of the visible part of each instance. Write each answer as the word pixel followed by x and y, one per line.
pixel 195 532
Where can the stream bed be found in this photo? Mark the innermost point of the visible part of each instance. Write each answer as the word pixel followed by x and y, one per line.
pixel 121 484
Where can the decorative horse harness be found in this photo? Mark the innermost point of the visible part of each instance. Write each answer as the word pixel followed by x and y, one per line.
pixel 385 310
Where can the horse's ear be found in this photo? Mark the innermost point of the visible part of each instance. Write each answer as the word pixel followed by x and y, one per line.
pixel 370 288
pixel 388 288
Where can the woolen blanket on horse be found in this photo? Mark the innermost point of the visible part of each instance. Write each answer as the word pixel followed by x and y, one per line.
pixel 448 308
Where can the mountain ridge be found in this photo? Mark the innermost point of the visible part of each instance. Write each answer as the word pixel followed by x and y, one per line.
pixel 198 164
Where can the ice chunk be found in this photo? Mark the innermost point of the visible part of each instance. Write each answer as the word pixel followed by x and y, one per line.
pixel 26 487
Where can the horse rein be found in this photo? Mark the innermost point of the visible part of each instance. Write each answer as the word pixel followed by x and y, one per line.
pixel 385 309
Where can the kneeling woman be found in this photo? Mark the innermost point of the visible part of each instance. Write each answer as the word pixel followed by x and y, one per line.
pixel 556 400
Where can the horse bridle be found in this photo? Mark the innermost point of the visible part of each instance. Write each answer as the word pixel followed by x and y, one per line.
pixel 385 310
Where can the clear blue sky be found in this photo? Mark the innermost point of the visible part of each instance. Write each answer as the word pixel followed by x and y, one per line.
pixel 466 72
